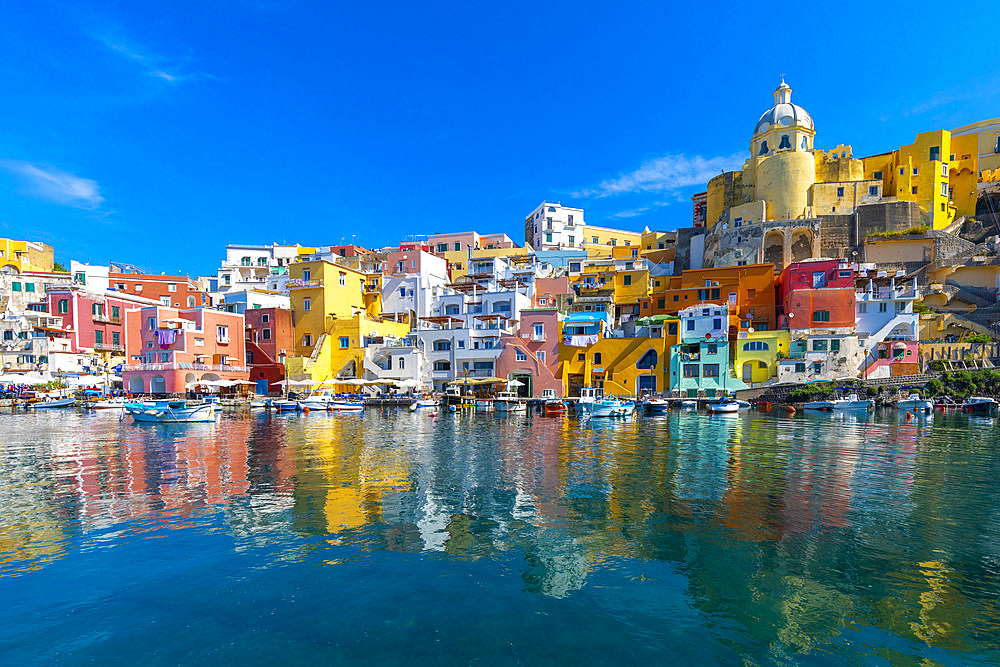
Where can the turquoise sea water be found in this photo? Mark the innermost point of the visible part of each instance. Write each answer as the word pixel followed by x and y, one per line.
pixel 395 538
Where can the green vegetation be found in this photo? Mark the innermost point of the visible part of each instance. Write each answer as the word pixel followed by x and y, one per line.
pixel 59 268
pixel 921 308
pixel 811 392
pixel 977 338
pixel 962 384
pixel 921 229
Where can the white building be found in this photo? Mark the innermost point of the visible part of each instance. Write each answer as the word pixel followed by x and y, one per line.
pixel 256 267
pixel 240 301
pixel 552 226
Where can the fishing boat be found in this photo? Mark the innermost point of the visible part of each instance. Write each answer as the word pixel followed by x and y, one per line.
pixel 689 404
pixel 483 405
pixel 283 405
pixel 213 401
pixel 257 405
pixel 744 405
pixel 553 407
pixel 319 401
pixel 913 403
pixel 588 396
pixel 852 402
pixel 723 405
pixel 170 412
pixel 54 403
pixel 509 401
pixel 611 407
pixel 979 405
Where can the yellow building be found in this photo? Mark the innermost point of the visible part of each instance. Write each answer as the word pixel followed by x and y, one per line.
pixel 757 354
pixel 25 256
pixel 600 242
pixel 322 292
pixel 651 242
pixel 341 350
pixel 621 366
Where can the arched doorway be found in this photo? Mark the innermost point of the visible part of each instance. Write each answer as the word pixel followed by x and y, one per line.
pixel 802 245
pixel 525 390
pixel 774 249
pixel 157 385
pixel 645 384
pixel 136 385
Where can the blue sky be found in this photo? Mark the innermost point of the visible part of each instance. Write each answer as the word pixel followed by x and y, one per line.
pixel 155 133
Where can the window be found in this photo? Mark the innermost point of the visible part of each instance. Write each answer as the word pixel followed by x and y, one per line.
pixel 677 297
pixel 935 153
pixel 171 287
pixel 539 331
pixel 716 293
pixel 712 348
pixel 165 300
pixel 595 240
pixel 819 345
pixel 461 344
pixel 63 306
pixel 345 342
pixel 692 370
pixel 817 367
pixel 862 307
pixel 152 323
pixel 307 304
pixel 913 190
pixel 442 247
pixel 703 294
pixel 343 278
pixel 569 219
pixel 717 323
pixel 458 246
pixel 307 340
pixel 627 279
pixel 574 267
pixel 265 318
pixel 800 368
pixel 164 357
pixel 661 303
pixel 265 334
pixel 222 333
pixel 835 345
pixel 597 357
pixel 944 169
pixel 840 192
pixel 442 345
pixel 138 288
pixel 548 238
pixel 520 356
pixel 672 328
pixel 738 222
pixel 647 361
pixel 99 338
pixel 785 143
pixel 763 148
pixel 821 316
pixel 915 171
pixel 542 302
pixel 580 357
pixel 198 342
pixel 883 307
pixel 614 242
pixel 97 309
pixel 873 190
pixel 902 171
pixel 877 175
pixel 29 287
pixel 944 189
pixel 541 356
pixel 572 239
pixel 710 370
pixel 756 346
pixel 690 325
pixel 306 275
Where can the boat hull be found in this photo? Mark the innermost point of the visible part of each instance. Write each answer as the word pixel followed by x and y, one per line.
pixel 57 403
pixel 171 415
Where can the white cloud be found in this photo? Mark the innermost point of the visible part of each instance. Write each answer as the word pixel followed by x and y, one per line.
pixel 665 174
pixel 153 65
pixel 56 185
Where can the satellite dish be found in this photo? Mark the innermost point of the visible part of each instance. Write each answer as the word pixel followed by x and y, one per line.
pixel 750 330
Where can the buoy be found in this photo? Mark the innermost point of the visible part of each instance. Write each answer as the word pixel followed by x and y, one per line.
pixel 909 415
pixel 790 409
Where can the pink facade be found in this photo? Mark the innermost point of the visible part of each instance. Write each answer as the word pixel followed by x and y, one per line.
pixel 95 321
pixel 817 295
pixel 168 349
pixel 533 352
pixel 404 261
pixel 547 289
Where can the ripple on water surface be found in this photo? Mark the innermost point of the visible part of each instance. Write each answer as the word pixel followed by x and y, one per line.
pixel 392 537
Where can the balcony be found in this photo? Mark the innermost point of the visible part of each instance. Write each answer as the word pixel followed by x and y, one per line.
pixel 180 366
pixel 297 283
pixel 101 317
pixel 108 347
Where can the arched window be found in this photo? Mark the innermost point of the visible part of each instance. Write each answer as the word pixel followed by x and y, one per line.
pixel 763 148
pixel 442 345
pixel 785 143
pixel 647 361
pixel 442 365
pixel 805 143
pixel 401 363
pixel 756 346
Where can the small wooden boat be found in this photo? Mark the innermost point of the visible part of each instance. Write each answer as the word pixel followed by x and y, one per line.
pixel 108 404
pixel 54 403
pixel 346 406
pixel 283 405
pixel 171 412
pixel 657 405
pixel 554 407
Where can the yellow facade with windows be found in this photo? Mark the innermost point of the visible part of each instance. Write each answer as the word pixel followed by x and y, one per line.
pixel 26 255
pixel 458 260
pixel 600 242
pixel 616 364
pixel 341 351
pixel 757 353
pixel 322 292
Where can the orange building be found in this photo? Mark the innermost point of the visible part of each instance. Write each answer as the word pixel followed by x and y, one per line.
pixel 749 291
pixel 172 291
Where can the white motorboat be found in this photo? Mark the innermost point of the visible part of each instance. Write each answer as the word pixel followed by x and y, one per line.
pixel 979 405
pixel 170 412
pixel 689 404
pixel 258 405
pixel 913 403
pixel 283 405
pixel 509 401
pixel 657 405
pixel 54 403
pixel 723 405
pixel 109 404
pixel 588 396
pixel 852 402
pixel 611 407
pixel 346 406
pixel 214 401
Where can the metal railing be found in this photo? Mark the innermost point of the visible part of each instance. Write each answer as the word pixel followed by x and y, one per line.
pixel 180 366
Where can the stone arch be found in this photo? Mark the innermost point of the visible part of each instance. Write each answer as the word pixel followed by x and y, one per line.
pixel 801 247
pixel 774 249
pixel 157 385
pixel 136 384
pixel 189 378
pixel 210 376
pixel 10 270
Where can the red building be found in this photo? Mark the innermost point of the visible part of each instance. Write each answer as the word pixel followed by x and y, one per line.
pixel 700 209
pixel 95 321
pixel 817 294
pixel 269 338
pixel 172 291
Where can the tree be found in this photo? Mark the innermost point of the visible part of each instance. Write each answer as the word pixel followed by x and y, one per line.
pixel 59 268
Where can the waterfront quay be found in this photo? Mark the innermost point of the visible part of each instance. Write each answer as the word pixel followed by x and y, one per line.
pixel 393 536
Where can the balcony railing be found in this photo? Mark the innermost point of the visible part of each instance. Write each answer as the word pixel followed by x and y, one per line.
pixel 108 347
pixel 180 366
pixel 296 283
pixel 101 317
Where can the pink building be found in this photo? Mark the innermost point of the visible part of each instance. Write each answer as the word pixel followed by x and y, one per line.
pixel 532 356
pixel 96 321
pixel 548 289
pixel 168 349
